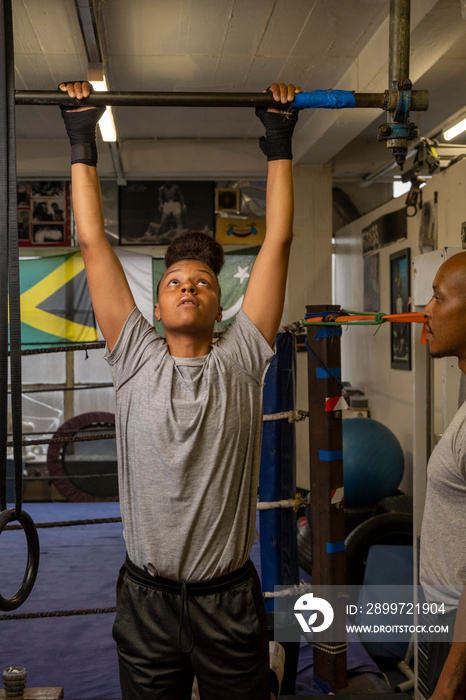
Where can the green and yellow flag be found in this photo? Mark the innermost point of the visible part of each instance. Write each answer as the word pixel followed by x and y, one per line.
pixel 56 306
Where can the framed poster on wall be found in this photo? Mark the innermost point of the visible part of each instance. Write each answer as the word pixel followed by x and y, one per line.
pixel 227 199
pixel 400 290
pixel 44 216
pixel 153 212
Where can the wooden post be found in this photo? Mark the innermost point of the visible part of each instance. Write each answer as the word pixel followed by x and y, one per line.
pixel 326 478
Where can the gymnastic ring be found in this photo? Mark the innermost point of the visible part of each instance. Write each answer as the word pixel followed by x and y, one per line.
pixel 32 566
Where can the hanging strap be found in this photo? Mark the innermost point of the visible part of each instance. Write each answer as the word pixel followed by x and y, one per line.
pixel 10 306
pixel 13 265
pixel 9 255
pixel 3 265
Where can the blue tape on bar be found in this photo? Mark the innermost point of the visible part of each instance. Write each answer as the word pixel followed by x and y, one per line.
pixel 328 99
pixel 330 455
pixel 328 332
pixel 322 373
pixel 333 547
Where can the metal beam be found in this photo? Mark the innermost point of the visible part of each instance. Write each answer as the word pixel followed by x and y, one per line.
pixel 89 31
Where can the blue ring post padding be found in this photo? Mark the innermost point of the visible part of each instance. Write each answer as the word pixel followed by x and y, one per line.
pixel 333 547
pixel 330 455
pixel 278 529
pixel 328 332
pixel 327 99
pixel 322 373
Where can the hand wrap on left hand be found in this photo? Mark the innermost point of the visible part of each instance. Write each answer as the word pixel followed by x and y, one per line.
pixel 81 130
pixel 276 144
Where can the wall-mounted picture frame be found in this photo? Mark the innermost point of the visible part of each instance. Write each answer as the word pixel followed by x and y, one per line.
pixel 154 212
pixel 44 215
pixel 227 199
pixel 400 291
pixel 385 230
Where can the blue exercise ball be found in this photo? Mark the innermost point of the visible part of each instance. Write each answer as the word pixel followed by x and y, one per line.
pixel 373 461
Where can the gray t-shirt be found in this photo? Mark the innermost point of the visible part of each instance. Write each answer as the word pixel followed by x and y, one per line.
pixel 443 534
pixel 188 439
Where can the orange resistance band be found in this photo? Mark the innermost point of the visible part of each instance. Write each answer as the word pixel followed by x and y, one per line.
pixel 410 317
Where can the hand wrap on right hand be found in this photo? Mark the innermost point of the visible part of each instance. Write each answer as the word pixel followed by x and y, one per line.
pixel 276 144
pixel 81 130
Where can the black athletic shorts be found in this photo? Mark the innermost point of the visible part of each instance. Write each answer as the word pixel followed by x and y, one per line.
pixel 169 631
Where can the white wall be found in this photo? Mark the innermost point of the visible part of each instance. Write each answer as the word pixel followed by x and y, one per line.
pixel 366 354
pixel 309 279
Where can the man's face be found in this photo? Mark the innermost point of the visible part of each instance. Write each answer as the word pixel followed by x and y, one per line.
pixel 188 298
pixel 446 311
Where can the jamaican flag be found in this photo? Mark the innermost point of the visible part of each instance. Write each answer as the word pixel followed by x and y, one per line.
pixel 55 302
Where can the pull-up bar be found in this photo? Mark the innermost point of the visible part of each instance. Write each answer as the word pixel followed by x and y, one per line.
pixel 326 99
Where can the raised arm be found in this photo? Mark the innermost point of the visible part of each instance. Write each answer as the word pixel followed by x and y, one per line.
pixel 111 296
pixel 265 294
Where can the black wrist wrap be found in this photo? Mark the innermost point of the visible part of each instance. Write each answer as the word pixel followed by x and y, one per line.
pixel 81 130
pixel 276 144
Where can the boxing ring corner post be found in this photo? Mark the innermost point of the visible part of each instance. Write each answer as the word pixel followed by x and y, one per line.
pixel 326 480
pixel 278 531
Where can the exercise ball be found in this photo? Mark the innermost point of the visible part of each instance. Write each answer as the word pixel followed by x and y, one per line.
pixel 373 461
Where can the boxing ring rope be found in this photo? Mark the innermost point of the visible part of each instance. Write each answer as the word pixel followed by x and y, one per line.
pixel 96 345
pixel 291 416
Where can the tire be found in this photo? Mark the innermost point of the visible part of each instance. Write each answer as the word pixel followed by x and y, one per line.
pixel 402 503
pixel 76 489
pixel 386 528
pixel 355 515
pixel 305 549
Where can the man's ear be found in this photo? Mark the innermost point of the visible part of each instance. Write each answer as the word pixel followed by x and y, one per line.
pixel 157 315
pixel 220 314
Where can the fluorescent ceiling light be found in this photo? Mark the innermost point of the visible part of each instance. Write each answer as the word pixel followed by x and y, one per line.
pixel 400 188
pixel 455 130
pixel 106 123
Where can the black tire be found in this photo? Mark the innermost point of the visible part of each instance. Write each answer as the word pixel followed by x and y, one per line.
pixel 77 489
pixel 305 549
pixel 401 503
pixel 355 515
pixel 386 528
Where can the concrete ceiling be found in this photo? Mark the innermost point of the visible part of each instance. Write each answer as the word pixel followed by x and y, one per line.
pixel 233 46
